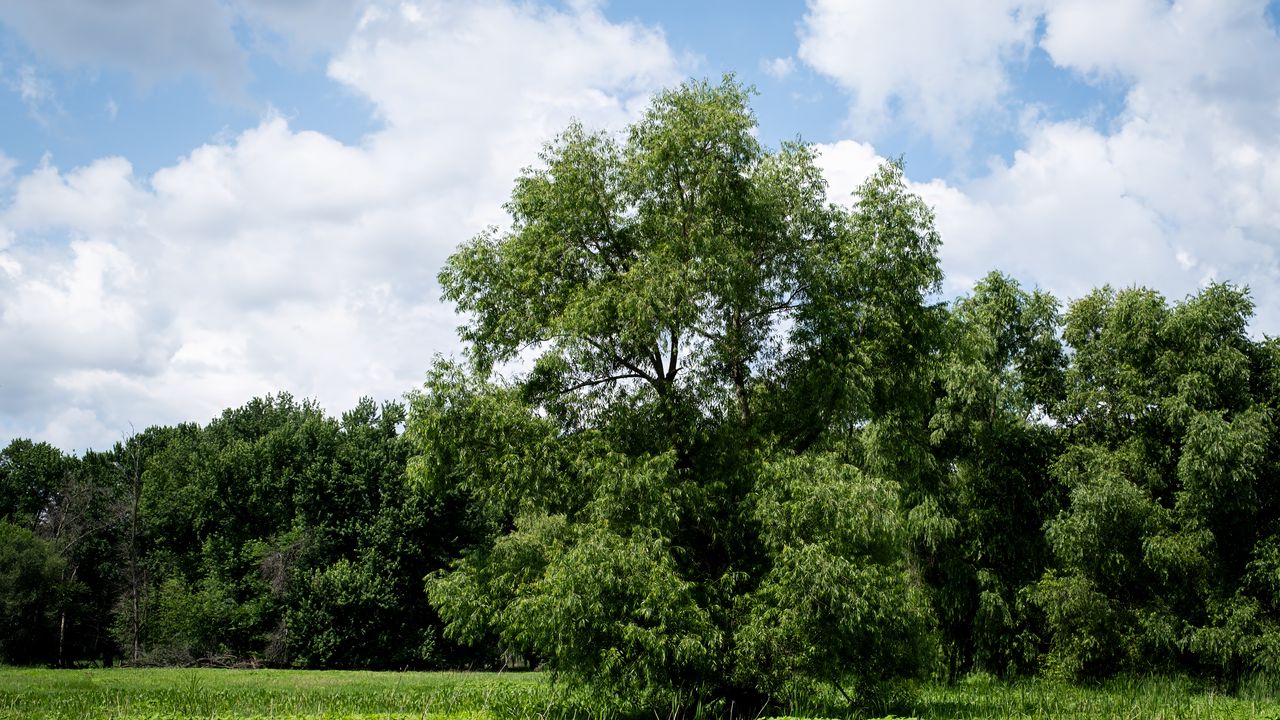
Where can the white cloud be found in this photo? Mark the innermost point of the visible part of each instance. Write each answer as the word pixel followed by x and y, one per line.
pixel 68 428
pixel 35 92
pixel 102 197
pixel 512 64
pixel 1181 189
pixel 1171 44
pixel 152 40
pixel 156 41
pixel 845 164
pixel 941 64
pixel 778 68
pixel 279 259
pixel 305 26
pixel 1060 214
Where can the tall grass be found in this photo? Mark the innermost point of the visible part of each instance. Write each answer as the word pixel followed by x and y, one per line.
pixel 173 694
pixel 208 693
pixel 1157 698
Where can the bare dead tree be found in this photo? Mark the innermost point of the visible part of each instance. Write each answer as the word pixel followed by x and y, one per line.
pixel 72 516
pixel 277 570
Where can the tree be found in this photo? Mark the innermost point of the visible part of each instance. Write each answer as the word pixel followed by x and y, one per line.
pixel 361 605
pixel 31 592
pixel 30 476
pixel 1171 513
pixel 706 332
pixel 129 463
pixel 1000 377
pixel 65 501
pixel 278 535
pixel 79 526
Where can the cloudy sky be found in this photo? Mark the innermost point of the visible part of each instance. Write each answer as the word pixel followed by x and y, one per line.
pixel 205 201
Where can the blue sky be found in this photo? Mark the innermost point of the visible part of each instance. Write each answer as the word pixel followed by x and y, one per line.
pixel 96 108
pixel 210 200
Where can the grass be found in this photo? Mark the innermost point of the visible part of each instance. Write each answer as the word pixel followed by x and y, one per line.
pixel 174 694
pixel 1136 698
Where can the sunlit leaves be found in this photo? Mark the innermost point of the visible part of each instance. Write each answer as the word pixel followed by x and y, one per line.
pixel 697 348
pixel 1170 411
pixel 837 603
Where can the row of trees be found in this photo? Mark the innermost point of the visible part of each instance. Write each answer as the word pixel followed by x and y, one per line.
pixel 754 459
pixel 275 534
pixel 714 441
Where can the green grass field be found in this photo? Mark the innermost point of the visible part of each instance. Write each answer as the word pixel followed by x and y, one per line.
pixel 291 694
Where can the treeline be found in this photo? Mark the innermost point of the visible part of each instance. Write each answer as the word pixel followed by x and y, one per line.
pixel 274 535
pixel 753 461
pixel 1091 494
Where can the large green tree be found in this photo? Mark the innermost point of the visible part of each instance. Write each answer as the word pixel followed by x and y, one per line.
pixel 31 475
pixel 1167 547
pixel 31 594
pixel 675 353
pixel 1000 377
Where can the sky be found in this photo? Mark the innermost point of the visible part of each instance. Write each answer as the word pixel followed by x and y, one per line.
pixel 207 201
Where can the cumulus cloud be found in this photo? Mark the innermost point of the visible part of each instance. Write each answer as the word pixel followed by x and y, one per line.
pixel 1182 189
pixel 845 164
pixel 279 259
pixel 939 65
pixel 497 64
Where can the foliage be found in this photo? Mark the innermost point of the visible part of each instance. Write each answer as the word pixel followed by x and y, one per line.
pixel 30 477
pixel 1171 514
pixel 30 595
pixel 1000 376
pixel 837 603
pixel 708 330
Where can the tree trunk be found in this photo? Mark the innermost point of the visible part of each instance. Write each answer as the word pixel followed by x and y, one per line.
pixel 62 634
pixel 130 467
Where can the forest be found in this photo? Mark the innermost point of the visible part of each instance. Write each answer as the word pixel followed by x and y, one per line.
pixel 715 440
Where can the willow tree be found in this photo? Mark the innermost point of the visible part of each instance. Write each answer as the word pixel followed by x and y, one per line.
pixel 1000 376
pixel 691 339
pixel 1167 548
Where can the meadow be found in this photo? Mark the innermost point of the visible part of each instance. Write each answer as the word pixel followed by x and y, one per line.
pixel 187 694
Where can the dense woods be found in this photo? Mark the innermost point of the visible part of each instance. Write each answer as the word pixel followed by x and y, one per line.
pixel 714 440
pixel 275 535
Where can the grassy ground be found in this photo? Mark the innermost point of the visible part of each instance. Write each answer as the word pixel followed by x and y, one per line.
pixel 207 693
pixel 1162 698
pixel 295 695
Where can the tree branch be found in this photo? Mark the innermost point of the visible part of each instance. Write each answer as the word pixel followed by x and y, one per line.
pixel 788 304
pixel 655 357
pixel 673 362
pixel 600 381
pixel 622 361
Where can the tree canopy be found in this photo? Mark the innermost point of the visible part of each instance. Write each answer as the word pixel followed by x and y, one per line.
pixel 674 477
